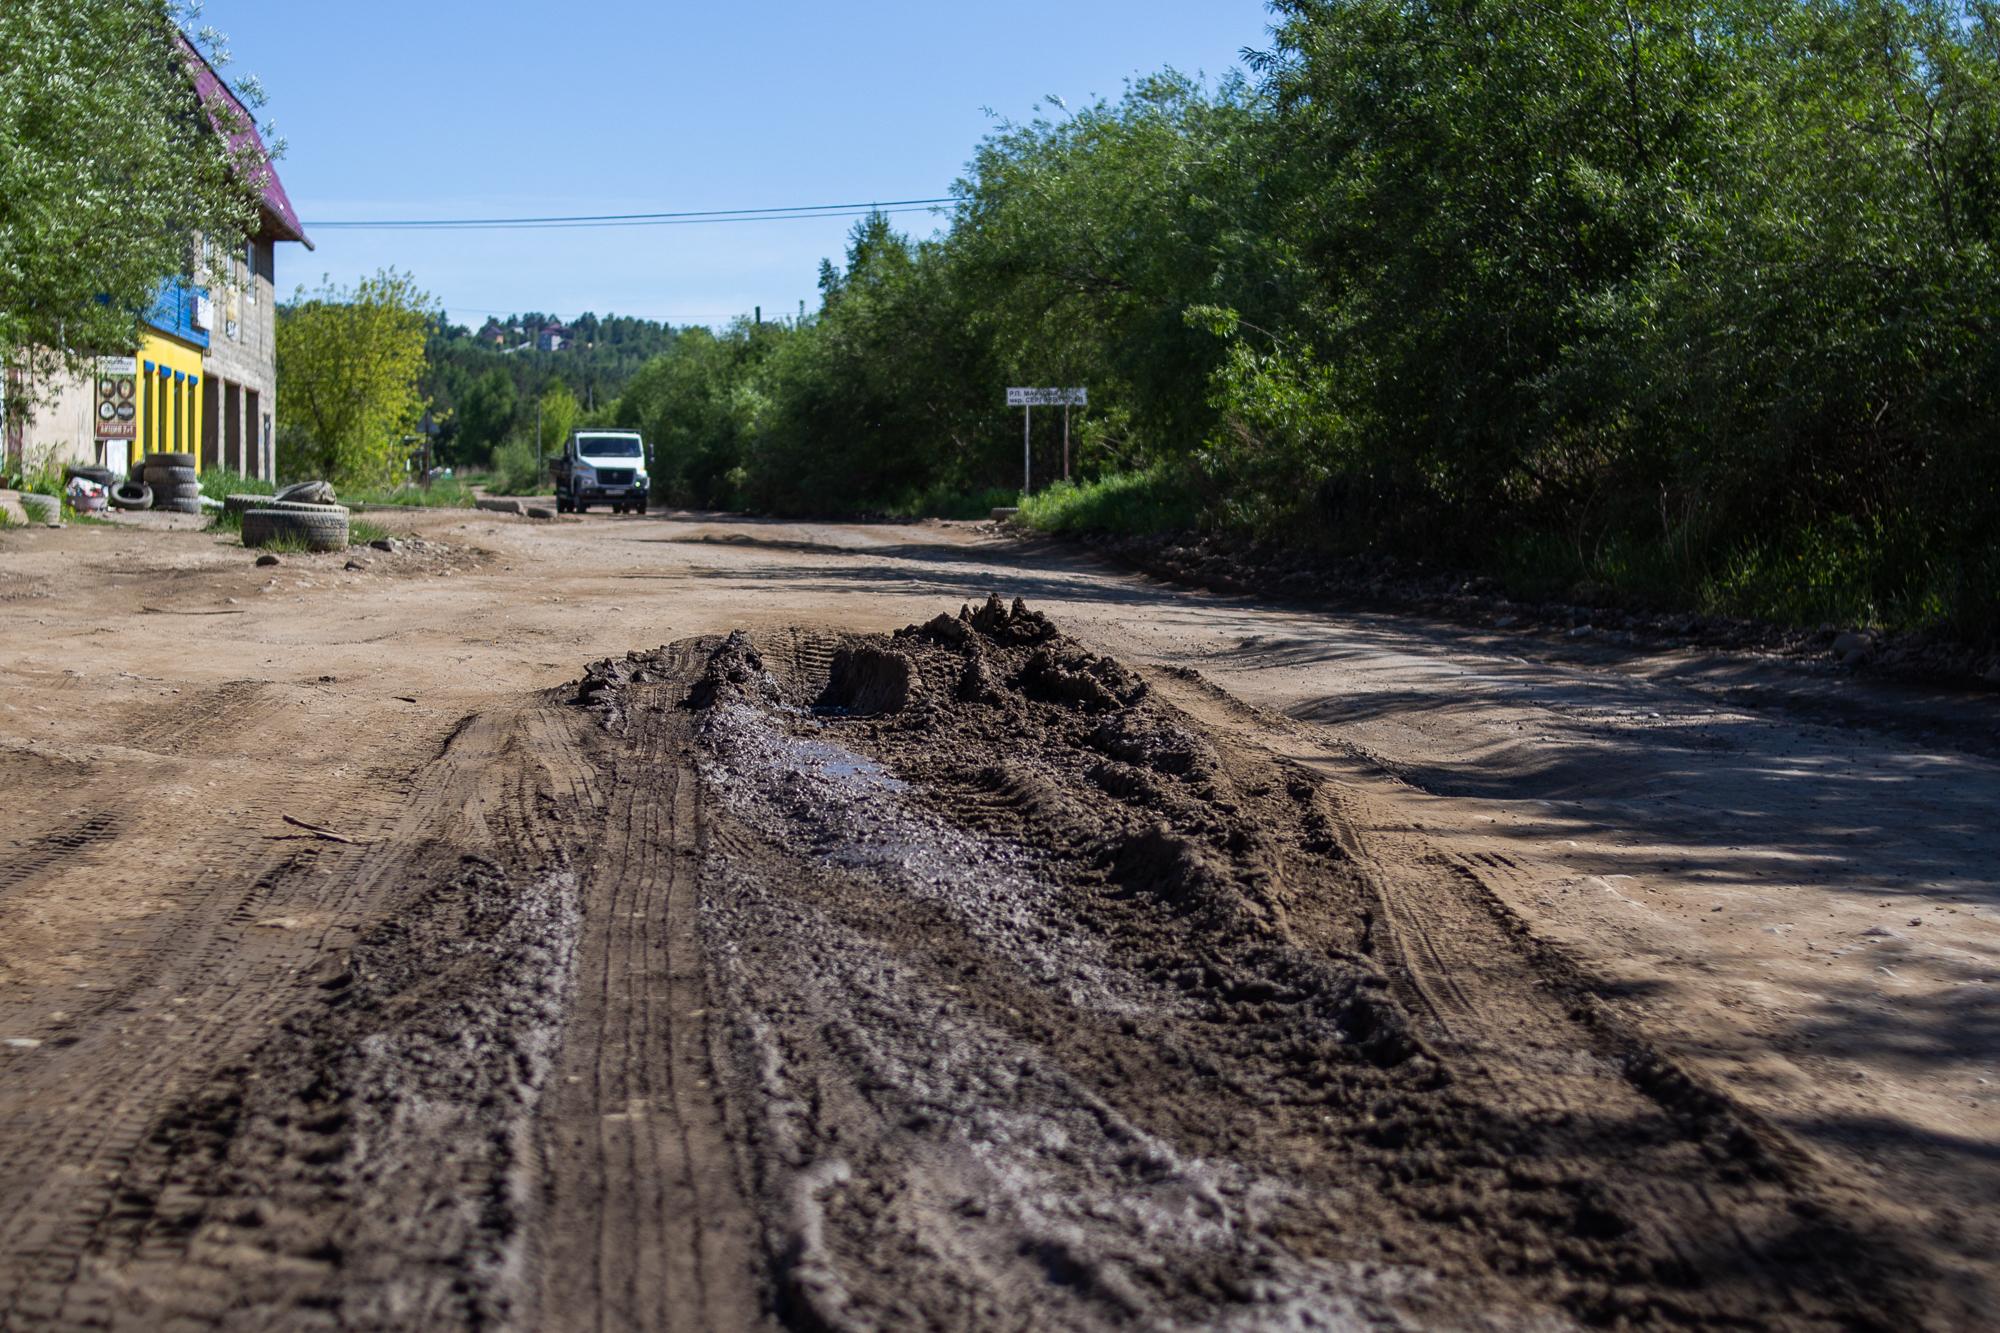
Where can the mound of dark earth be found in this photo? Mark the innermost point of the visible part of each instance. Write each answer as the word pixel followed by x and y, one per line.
pixel 1032 1007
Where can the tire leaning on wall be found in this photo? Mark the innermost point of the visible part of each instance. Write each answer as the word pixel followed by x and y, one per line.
pixel 318 528
pixel 133 495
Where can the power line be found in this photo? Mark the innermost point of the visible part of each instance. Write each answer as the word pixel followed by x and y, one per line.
pixel 453 307
pixel 789 214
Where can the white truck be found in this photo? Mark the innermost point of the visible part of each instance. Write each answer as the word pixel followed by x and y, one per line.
pixel 602 467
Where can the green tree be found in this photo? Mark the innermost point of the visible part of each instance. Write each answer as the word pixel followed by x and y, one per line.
pixel 110 173
pixel 697 406
pixel 888 392
pixel 558 414
pixel 486 414
pixel 349 364
pixel 1086 237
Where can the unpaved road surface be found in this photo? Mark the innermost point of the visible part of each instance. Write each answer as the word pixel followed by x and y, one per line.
pixel 821 956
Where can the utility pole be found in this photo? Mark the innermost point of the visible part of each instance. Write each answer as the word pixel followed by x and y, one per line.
pixel 1027 450
pixel 1065 440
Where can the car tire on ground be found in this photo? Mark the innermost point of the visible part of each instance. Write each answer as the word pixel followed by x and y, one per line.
pixel 319 529
pixel 300 506
pixel 177 506
pixel 241 504
pixel 184 490
pixel 168 460
pixel 174 475
pixel 99 476
pixel 132 495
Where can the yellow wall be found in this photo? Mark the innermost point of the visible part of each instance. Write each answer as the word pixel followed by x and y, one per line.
pixel 169 408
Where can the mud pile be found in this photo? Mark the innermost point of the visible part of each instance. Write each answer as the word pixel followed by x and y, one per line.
pixel 1042 1011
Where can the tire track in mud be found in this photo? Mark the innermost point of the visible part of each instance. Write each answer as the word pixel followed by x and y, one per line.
pixel 199 718
pixel 109 1191
pixel 642 1224
pixel 60 846
pixel 1047 1010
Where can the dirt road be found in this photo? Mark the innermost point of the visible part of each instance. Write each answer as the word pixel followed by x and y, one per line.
pixel 1175 961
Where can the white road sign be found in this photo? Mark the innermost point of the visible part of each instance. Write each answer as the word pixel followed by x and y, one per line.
pixel 1048 398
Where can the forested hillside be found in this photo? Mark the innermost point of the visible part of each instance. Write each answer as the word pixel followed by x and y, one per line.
pixel 483 396
pixel 1694 303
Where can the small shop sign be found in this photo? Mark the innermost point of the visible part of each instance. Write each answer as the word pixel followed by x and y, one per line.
pixel 117 398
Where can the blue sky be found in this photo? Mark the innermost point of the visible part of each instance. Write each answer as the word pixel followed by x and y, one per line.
pixel 446 108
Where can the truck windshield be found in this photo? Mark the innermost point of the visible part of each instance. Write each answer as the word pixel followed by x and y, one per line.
pixel 607 446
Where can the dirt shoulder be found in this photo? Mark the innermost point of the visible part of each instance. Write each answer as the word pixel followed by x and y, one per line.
pixel 1918 659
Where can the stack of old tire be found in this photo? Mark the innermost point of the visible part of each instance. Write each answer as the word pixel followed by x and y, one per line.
pixel 172 480
pixel 305 513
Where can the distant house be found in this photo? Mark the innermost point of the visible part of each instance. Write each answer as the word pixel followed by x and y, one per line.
pixel 493 333
pixel 552 338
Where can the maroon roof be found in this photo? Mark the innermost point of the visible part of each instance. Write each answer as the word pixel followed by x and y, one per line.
pixel 233 120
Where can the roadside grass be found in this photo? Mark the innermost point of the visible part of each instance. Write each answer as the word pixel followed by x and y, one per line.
pixel 286 545
pixel 1136 503
pixel 945 501
pixel 219 483
pixel 445 493
pixel 360 532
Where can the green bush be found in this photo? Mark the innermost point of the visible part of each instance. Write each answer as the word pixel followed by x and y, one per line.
pixel 1129 503
pixel 518 471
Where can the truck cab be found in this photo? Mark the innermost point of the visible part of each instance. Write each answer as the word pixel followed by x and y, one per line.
pixel 606 467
